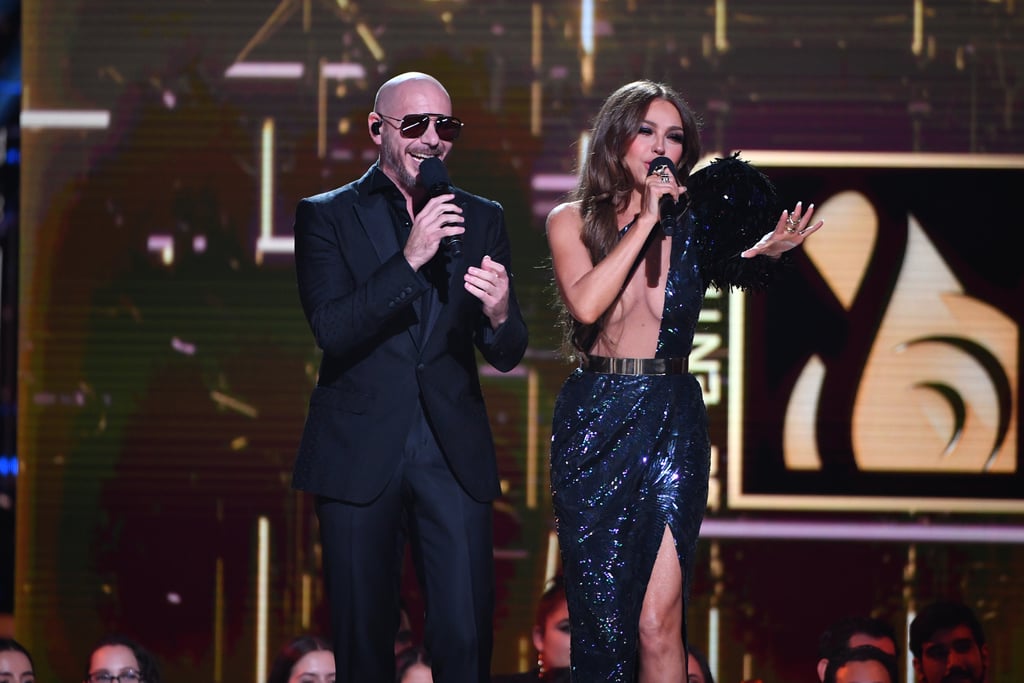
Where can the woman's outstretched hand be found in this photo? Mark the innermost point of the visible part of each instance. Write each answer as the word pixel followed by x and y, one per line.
pixel 791 230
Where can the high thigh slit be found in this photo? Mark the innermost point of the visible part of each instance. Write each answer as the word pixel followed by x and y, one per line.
pixel 630 454
pixel 613 501
pixel 662 649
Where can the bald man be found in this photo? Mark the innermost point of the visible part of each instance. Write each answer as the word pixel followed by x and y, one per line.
pixel 397 446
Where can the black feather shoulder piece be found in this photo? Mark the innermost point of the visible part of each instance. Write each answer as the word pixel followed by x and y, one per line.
pixel 732 205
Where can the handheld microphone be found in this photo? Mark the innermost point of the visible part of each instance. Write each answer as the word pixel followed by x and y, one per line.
pixel 434 177
pixel 667 204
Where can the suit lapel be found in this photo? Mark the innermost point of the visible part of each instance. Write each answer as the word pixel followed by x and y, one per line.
pixel 376 224
pixel 374 218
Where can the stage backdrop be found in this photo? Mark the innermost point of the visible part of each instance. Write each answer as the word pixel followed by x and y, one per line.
pixel 164 364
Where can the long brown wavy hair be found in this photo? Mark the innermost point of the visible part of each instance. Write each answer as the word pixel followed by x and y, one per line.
pixel 605 184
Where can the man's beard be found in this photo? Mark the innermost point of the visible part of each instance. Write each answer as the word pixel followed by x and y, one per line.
pixel 393 158
pixel 963 676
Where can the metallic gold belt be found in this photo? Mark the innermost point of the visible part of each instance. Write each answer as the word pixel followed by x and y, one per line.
pixel 636 366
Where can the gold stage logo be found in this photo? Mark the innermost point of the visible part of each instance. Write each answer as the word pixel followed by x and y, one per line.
pixel 938 389
pixel 884 373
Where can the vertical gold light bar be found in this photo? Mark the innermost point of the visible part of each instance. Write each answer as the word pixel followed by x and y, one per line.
pixel 584 149
pixel 721 26
pixel 909 603
pixel 321 111
pixel 917 40
pixel 532 447
pixel 307 600
pixel 551 562
pixel 734 438
pixel 262 595
pixel 587 45
pixel 714 616
pixel 714 613
pixel 536 62
pixel 266 183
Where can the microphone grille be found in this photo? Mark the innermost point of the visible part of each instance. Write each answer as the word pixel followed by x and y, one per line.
pixel 659 162
pixel 433 172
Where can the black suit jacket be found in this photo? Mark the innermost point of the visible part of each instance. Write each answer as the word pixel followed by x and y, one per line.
pixel 357 294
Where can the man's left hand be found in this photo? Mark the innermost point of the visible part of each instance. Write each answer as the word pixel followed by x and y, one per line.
pixel 489 283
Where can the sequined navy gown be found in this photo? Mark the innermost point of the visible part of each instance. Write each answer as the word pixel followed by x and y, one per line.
pixel 630 453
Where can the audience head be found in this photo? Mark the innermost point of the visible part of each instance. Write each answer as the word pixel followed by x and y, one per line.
pixel 948 644
pixel 15 663
pixel 551 628
pixel 862 664
pixel 412 665
pixel 120 658
pixel 697 667
pixel 851 632
pixel 304 659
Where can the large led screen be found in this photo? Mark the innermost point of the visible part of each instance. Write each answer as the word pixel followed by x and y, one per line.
pixel 165 366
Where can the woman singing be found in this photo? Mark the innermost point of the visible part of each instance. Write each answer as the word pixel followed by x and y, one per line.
pixel 630 449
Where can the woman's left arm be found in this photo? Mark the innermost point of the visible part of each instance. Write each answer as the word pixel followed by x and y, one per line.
pixel 790 232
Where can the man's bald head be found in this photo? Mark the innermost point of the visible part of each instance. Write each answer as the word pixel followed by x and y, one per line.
pixel 387 92
pixel 422 97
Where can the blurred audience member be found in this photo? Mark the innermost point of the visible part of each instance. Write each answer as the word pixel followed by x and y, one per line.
pixel 15 663
pixel 121 659
pixel 697 667
pixel 412 665
pixel 862 664
pixel 304 659
pixel 851 632
pixel 948 644
pixel 550 639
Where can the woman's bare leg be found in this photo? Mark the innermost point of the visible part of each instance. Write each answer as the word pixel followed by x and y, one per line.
pixel 662 656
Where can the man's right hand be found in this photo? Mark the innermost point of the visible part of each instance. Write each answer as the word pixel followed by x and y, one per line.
pixel 440 217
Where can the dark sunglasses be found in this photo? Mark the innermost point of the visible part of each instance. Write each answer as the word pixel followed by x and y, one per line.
pixel 415 125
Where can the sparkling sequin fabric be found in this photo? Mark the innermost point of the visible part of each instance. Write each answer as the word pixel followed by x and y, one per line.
pixel 630 454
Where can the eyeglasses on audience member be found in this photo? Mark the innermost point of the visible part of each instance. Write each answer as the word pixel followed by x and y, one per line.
pixel 126 676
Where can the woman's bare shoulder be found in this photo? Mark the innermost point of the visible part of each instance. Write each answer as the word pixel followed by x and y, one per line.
pixel 564 216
